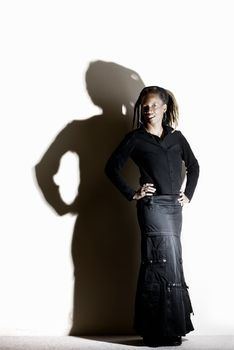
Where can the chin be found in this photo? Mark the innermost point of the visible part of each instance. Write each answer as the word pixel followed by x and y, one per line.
pixel 150 119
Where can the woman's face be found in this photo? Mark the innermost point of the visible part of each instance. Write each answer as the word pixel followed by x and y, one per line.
pixel 152 107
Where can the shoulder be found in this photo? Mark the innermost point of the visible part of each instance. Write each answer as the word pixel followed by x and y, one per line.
pixel 133 134
pixel 172 130
pixel 177 132
pixel 183 140
pixel 181 135
pixel 178 136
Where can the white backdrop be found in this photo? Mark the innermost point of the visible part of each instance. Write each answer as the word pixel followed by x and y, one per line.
pixel 46 50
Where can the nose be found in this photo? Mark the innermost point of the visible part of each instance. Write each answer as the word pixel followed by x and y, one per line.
pixel 148 110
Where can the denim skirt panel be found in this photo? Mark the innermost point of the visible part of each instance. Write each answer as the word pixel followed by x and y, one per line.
pixel 162 302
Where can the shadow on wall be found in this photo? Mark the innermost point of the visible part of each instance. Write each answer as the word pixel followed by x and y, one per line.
pixel 106 240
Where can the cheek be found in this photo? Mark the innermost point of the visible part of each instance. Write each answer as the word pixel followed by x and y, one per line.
pixel 159 111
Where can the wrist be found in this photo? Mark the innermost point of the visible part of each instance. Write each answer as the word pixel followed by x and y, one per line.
pixel 135 196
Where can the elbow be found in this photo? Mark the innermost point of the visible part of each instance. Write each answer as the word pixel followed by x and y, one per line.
pixel 195 167
pixel 193 171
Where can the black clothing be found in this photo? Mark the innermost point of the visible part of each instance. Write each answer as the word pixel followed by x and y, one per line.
pixel 162 341
pixel 159 161
pixel 162 303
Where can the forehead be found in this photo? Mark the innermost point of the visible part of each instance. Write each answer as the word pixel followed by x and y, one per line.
pixel 150 98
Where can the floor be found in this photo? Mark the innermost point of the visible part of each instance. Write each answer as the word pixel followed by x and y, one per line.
pixel 216 342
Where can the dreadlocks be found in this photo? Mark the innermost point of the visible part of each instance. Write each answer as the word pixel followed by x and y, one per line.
pixel 171 115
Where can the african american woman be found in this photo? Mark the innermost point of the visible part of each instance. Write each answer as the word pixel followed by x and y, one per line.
pixel 162 301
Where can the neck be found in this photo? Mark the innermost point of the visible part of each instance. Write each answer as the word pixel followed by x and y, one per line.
pixel 155 127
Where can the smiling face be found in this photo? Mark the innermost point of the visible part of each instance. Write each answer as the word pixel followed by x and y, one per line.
pixel 152 108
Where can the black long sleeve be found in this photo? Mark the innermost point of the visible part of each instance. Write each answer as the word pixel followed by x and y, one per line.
pixel 159 161
pixel 116 162
pixel 192 167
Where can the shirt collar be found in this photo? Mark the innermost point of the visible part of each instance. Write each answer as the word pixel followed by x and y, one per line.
pixel 167 128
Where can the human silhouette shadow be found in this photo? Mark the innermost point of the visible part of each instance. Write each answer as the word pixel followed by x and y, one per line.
pixel 106 241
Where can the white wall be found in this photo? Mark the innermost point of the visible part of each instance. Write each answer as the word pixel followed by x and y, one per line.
pixel 46 49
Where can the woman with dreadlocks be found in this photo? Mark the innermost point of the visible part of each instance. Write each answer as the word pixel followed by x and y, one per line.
pixel 162 303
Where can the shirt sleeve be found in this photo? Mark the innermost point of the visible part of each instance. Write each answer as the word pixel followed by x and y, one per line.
pixel 192 167
pixel 116 162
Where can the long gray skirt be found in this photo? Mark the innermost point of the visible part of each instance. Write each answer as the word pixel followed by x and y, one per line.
pixel 162 303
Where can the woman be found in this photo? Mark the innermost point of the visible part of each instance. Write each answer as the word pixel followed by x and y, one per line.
pixel 162 304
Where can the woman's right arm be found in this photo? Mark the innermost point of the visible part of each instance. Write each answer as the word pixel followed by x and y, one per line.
pixel 116 162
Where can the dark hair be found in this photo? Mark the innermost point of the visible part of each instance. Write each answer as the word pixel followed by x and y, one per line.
pixel 171 115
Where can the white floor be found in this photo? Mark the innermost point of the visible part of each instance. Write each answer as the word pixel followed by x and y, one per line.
pixel 221 342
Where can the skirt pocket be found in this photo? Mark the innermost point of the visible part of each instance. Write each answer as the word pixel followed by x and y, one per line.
pixel 150 297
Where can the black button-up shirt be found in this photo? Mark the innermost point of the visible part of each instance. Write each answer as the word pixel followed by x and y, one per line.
pixel 159 161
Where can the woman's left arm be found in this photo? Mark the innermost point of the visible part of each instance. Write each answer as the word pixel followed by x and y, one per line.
pixel 192 167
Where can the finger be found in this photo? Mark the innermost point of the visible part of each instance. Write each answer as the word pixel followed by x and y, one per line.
pixel 150 189
pixel 181 202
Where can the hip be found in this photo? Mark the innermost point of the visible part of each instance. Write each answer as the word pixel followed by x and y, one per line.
pixel 162 199
pixel 161 214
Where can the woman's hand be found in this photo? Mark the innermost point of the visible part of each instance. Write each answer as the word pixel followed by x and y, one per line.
pixel 183 198
pixel 146 190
